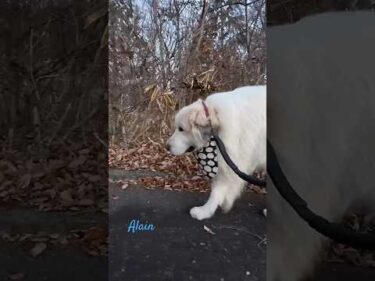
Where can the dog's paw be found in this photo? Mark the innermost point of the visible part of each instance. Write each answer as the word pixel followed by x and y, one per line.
pixel 199 213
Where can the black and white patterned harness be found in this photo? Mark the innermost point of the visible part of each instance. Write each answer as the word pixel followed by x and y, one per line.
pixel 207 158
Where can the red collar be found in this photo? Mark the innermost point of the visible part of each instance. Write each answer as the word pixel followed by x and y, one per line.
pixel 206 112
pixel 206 109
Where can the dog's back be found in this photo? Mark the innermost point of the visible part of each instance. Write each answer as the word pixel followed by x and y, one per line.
pixel 242 114
pixel 321 116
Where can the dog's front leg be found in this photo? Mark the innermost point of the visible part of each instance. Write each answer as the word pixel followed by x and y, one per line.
pixel 216 199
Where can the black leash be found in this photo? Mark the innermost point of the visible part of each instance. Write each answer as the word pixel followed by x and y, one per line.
pixel 320 224
pixel 249 178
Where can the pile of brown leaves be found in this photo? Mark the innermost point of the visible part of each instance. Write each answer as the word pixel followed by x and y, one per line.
pixel 151 156
pixel 182 172
pixel 92 240
pixel 169 182
pixel 72 180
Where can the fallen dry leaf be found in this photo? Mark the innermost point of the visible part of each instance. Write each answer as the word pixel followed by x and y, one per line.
pixel 265 212
pixel 77 162
pixel 66 196
pixel 38 249
pixel 209 230
pixel 24 181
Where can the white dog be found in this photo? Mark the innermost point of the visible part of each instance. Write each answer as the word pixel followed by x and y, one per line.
pixel 321 122
pixel 240 118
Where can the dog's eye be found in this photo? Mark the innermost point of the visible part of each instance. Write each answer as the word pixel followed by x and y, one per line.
pixel 180 129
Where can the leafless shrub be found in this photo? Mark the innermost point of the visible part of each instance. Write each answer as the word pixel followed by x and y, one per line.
pixel 51 85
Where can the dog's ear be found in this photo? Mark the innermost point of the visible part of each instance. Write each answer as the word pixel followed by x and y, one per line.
pixel 199 118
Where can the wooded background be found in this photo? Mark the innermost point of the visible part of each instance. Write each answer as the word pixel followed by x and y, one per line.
pixel 51 71
pixel 53 132
pixel 164 54
pixel 53 104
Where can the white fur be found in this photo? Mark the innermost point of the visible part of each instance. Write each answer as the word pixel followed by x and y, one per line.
pixel 240 117
pixel 321 121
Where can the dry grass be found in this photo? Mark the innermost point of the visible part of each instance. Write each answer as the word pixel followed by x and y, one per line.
pixel 152 120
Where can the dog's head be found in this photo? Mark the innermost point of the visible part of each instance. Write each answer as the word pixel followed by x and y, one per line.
pixel 192 128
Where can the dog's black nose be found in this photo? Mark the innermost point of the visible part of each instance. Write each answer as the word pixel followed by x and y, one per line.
pixel 167 146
